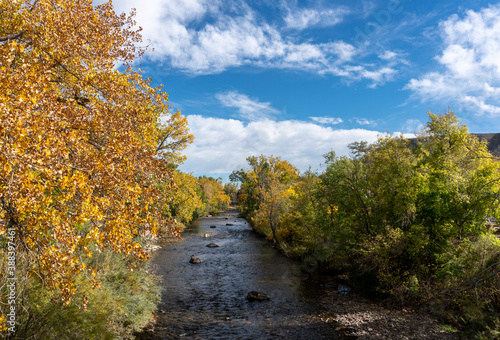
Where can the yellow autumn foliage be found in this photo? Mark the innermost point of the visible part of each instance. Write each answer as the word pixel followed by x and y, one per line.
pixel 79 138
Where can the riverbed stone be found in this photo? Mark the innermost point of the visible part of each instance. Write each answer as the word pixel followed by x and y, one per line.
pixel 212 245
pixel 213 226
pixel 229 224
pixel 195 260
pixel 256 295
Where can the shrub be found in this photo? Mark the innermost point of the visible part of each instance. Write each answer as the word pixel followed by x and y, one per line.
pixel 469 283
pixel 122 305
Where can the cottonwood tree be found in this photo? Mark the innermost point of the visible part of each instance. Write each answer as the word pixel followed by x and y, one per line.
pixel 173 138
pixel 211 191
pixel 78 137
pixel 267 188
pixel 460 179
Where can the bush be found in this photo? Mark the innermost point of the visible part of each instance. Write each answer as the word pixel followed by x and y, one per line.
pixel 469 286
pixel 123 304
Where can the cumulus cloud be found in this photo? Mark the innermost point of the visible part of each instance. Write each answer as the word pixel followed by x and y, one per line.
pixel 209 37
pixel 250 109
pixel 222 145
pixel 470 61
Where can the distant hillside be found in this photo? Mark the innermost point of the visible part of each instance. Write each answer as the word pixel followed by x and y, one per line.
pixel 493 140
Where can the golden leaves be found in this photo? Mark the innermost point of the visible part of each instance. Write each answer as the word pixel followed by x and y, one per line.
pixel 78 139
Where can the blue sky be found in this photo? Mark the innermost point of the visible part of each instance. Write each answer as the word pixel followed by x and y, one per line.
pixel 300 78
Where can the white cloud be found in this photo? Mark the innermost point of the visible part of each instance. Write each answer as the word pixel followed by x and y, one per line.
pixel 304 18
pixel 470 61
pixel 413 125
pixel 250 109
pixel 368 8
pixel 327 120
pixel 364 121
pixel 388 55
pixel 378 76
pixel 481 105
pixel 222 145
pixel 209 37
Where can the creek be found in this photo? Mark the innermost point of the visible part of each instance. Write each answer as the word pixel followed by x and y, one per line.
pixel 208 300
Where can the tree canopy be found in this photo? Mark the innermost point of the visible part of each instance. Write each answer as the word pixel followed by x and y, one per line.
pixel 80 136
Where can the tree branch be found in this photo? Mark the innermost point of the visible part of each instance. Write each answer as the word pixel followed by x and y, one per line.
pixel 479 280
pixel 11 37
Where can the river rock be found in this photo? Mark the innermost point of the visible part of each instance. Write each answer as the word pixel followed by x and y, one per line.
pixel 213 226
pixel 229 224
pixel 194 260
pixel 212 245
pixel 152 247
pixel 255 295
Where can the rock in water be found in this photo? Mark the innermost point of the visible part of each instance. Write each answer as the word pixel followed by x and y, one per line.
pixel 195 260
pixel 229 224
pixel 213 226
pixel 255 295
pixel 212 245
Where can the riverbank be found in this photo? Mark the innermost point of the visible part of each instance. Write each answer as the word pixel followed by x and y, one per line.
pixel 359 318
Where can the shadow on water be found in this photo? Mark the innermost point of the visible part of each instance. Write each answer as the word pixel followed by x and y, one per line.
pixel 208 300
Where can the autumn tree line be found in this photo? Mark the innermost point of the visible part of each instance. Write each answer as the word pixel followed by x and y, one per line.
pixel 89 156
pixel 408 221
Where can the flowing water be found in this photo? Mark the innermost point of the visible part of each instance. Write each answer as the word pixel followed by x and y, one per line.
pixel 208 300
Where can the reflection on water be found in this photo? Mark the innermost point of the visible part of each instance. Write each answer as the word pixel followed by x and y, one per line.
pixel 208 300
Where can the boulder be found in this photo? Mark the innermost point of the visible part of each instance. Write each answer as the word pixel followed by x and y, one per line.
pixel 255 295
pixel 194 260
pixel 212 245
pixel 213 226
pixel 229 224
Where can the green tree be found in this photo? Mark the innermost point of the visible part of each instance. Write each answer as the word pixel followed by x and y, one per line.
pixel 459 177
pixel 266 191
pixel 393 209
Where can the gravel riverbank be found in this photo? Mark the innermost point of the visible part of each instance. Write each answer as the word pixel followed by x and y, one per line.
pixel 358 318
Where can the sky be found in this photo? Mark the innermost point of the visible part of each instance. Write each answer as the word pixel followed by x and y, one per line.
pixel 298 79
